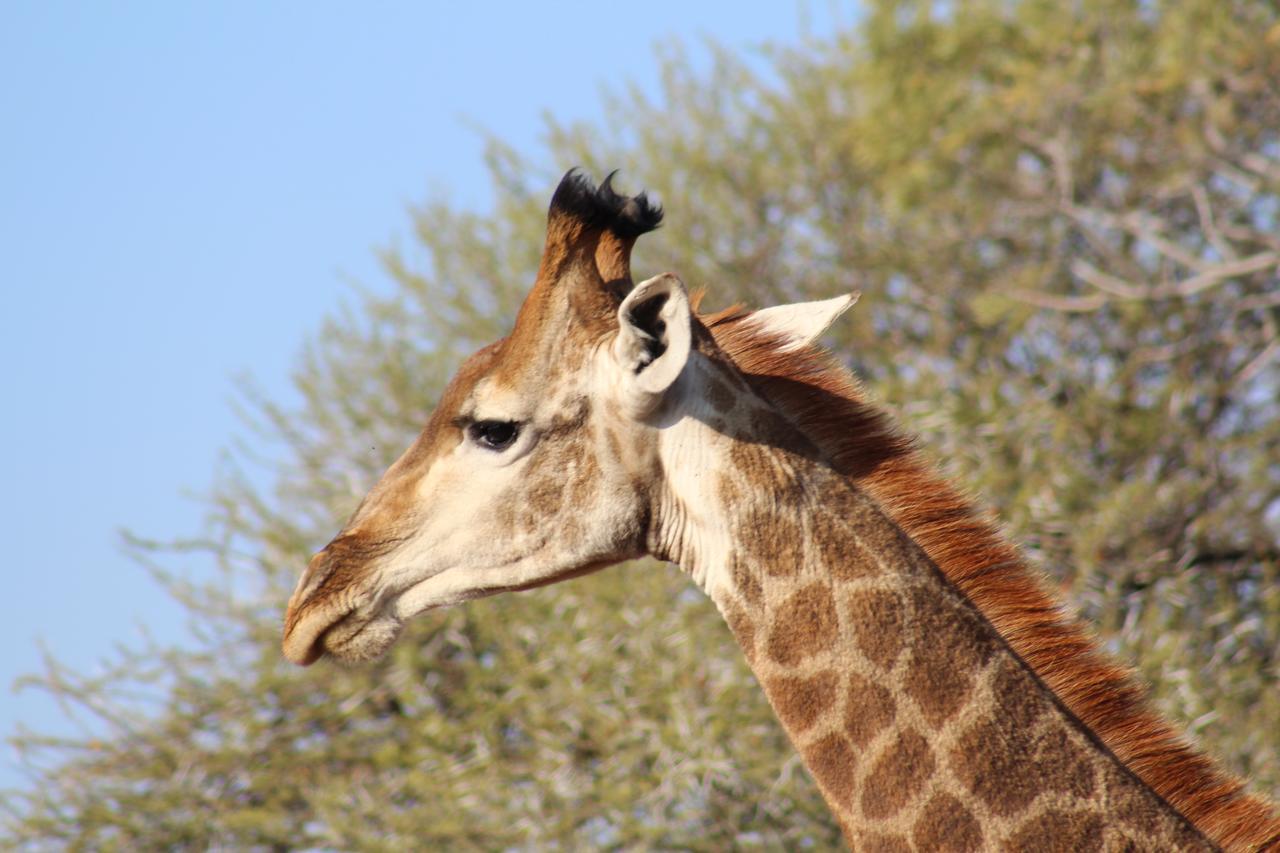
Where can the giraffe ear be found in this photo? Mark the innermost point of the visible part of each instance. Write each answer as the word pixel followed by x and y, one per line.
pixel 653 341
pixel 802 323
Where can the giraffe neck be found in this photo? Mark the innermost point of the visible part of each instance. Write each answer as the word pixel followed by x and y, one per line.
pixel 919 724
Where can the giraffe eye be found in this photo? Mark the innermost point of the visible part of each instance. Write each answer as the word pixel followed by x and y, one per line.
pixel 494 435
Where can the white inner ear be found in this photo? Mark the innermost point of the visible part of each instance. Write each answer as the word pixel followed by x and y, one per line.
pixel 652 346
pixel 802 323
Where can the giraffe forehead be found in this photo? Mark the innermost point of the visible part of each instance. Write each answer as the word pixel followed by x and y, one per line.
pixel 496 398
pixel 534 395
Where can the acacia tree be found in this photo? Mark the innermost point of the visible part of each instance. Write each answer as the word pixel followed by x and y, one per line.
pixel 1063 219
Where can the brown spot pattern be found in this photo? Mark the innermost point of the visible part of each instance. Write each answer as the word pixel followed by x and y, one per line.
pixel 849 563
pixel 1139 813
pixel 869 707
pixel 946 825
pixel 744 630
pixel 745 580
pixel 951 648
pixel 772 543
pixel 990 760
pixel 1067 767
pixel 832 762
pixel 1059 830
pixel 830 524
pixel 728 491
pixel 877 624
pixel 903 769
pixel 804 625
pixel 769 473
pixel 1007 764
pixel 888 543
pixel 545 492
pixel 799 701
pixel 1021 702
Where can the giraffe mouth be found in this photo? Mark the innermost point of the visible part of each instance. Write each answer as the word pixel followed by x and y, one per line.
pixel 363 633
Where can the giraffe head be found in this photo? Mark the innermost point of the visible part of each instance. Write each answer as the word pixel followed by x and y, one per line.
pixel 541 461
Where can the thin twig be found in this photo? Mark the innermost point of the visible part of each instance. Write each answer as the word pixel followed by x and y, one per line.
pixel 1215 275
pixel 1261 165
pixel 1204 209
pixel 1114 287
pixel 1087 272
pixel 1255 365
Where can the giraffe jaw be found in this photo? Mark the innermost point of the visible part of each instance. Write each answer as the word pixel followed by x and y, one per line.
pixel 452 587
pixel 363 634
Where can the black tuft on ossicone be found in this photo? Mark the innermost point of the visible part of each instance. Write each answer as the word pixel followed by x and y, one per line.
pixel 602 208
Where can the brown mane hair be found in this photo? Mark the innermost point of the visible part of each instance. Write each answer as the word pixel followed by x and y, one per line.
pixel 827 405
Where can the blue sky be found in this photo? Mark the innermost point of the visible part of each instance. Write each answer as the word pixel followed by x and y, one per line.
pixel 185 192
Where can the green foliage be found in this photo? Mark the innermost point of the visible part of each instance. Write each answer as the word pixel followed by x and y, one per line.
pixel 1063 219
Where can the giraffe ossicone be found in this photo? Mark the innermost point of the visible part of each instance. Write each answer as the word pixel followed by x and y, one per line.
pixel 935 691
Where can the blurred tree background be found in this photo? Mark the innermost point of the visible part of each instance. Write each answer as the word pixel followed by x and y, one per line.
pixel 1063 218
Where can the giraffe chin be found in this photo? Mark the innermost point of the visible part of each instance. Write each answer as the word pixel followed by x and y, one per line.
pixel 350 638
pixel 368 641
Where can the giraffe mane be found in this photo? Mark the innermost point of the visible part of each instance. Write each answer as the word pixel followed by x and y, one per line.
pixel 828 406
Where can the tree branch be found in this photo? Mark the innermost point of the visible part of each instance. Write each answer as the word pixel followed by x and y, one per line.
pixel 1204 209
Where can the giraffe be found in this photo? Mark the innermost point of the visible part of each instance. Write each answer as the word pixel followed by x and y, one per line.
pixel 935 691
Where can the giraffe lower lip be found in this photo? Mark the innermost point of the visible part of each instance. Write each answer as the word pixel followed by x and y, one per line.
pixel 357 639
